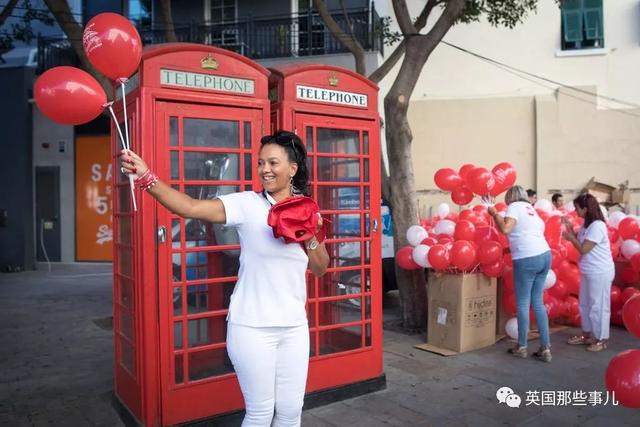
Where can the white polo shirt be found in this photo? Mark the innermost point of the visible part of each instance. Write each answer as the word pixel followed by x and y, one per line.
pixel 598 259
pixel 271 289
pixel 527 236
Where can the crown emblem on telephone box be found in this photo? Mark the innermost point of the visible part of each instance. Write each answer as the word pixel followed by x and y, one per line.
pixel 209 63
pixel 333 79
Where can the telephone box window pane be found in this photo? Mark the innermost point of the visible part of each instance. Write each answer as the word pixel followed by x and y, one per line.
pixel 343 198
pixel 175 165
pixel 367 198
pixel 367 280
pixel 126 324
pixel 176 261
pixel 367 335
pixel 209 363
pixel 202 233
pixel 209 297
pixel 212 264
pixel 311 284
pixel 338 169
pixel 247 135
pixel 309 136
pixel 202 192
pixel 177 301
pixel 339 283
pixel 367 308
pixel 338 141
pixel 344 254
pixel 211 133
pixel 126 292
pixel 365 167
pixel 178 368
pixel 343 226
pixel 311 314
pixel 124 198
pixel 175 233
pixel 173 131
pixel 177 335
pixel 211 330
pixel 211 166
pixel 312 343
pixel 343 339
pixel 124 230
pixel 367 252
pixel 127 356
pixel 365 142
pixel 341 311
pixel 125 262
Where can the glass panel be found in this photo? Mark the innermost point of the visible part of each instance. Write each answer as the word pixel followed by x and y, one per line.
pixel 126 292
pixel 342 311
pixel 367 252
pixel 176 232
pixel 338 169
pixel 367 198
pixel 201 233
pixel 344 226
pixel 312 343
pixel 126 324
pixel 311 285
pixel 365 169
pixel 247 135
pixel 179 369
pixel 344 254
pixel 124 198
pixel 127 356
pixel 248 167
pixel 365 142
pixel 211 133
pixel 367 223
pixel 343 339
pixel 209 297
pixel 124 259
pixel 177 301
pixel 124 230
pixel 209 191
pixel 338 141
pixel 309 136
pixel 367 280
pixel 367 335
pixel 175 165
pixel 176 260
pixel 211 330
pixel 367 308
pixel 339 283
pixel 209 363
pixel 339 197
pixel 173 131
pixel 208 265
pixel 211 166
pixel 177 334
pixel 311 314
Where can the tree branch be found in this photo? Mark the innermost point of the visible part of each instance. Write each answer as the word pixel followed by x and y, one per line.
pixel 348 41
pixel 7 10
pixel 402 16
pixel 167 19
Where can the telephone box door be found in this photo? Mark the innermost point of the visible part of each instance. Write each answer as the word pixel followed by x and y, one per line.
pixel 204 151
pixel 344 305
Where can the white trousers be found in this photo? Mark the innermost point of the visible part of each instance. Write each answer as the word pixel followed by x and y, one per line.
pixel 595 303
pixel 271 364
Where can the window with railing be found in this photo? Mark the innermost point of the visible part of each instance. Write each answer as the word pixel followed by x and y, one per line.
pixel 582 24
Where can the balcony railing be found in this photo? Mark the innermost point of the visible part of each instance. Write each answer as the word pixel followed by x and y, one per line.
pixel 295 35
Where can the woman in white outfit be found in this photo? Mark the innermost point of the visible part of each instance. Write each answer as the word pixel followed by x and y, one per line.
pixel 596 273
pixel 268 333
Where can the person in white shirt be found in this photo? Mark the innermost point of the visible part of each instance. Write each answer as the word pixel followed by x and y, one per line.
pixel 267 332
pixel 596 273
pixel 531 262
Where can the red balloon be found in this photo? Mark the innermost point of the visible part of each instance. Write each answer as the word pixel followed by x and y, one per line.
pixel 447 179
pixel 631 315
pixel 463 255
pixel 553 229
pixel 508 259
pixel 507 278
pixel 429 241
pixel 629 293
pixel 461 196
pixel 438 257
pixel 616 297
pixel 465 230
pixel 480 181
pixel 559 290
pixel 616 316
pixel 613 234
pixel 556 258
pixel 575 320
pixel 112 45
pixel 494 269
pixel 627 228
pixel 404 258
pixel 501 206
pixel 629 276
pixel 465 169
pixel 69 96
pixel 489 252
pixel 572 253
pixel 573 305
pixel 509 303
pixel 504 174
pixel 635 262
pixel 623 378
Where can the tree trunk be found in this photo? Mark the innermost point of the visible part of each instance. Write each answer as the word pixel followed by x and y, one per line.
pixel 167 19
pixel 73 30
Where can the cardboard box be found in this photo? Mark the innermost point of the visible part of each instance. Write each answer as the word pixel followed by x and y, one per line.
pixel 462 311
pixel 620 196
pixel 601 191
pixel 501 316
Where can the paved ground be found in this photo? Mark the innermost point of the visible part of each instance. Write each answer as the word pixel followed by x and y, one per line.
pixel 55 368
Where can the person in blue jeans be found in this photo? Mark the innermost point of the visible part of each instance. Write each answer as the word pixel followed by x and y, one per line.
pixel 531 262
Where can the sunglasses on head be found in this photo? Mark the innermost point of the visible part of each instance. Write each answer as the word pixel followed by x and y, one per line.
pixel 279 139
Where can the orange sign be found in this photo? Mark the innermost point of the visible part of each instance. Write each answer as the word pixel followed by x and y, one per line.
pixel 94 226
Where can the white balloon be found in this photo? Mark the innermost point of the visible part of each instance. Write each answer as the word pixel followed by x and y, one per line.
pixel 550 280
pixel 511 327
pixel 443 210
pixel 615 218
pixel 629 248
pixel 416 234
pixel 419 255
pixel 544 205
pixel 445 226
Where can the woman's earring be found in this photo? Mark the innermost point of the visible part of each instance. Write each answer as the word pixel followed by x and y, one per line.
pixel 291 186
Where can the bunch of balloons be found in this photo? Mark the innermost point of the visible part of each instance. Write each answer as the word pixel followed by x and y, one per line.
pixel 71 96
pixel 471 179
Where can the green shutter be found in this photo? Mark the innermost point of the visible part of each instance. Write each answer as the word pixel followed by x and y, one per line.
pixel 572 22
pixel 593 19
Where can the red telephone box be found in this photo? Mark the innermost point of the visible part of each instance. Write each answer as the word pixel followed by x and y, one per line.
pixel 196 115
pixel 335 112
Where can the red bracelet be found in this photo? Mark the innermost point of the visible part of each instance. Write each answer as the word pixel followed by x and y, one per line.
pixel 147 180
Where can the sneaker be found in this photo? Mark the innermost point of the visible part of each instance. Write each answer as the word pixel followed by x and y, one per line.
pixel 518 351
pixel 543 354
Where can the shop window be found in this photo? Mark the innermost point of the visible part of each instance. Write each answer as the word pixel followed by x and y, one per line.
pixel 582 24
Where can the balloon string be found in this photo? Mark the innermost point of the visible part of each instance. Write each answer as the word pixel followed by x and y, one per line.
pixel 126 119
pixel 115 120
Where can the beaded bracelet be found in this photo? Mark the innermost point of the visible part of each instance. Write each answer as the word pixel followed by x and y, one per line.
pixel 147 180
